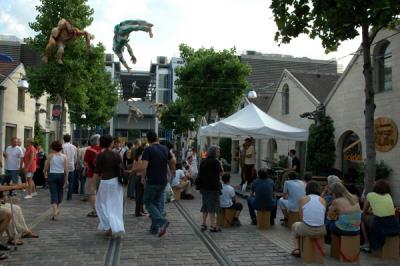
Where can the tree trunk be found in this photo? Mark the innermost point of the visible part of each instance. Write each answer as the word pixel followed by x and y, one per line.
pixel 370 172
pixel 61 126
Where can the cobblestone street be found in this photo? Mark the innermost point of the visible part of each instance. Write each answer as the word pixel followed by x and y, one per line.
pixel 74 240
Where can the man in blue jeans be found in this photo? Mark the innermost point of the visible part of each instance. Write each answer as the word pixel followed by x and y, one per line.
pixel 155 160
pixel 13 155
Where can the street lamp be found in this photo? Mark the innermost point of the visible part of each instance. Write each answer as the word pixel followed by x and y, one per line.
pixel 252 94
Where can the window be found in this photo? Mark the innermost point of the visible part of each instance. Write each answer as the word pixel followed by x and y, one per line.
pixel 11 132
pixel 27 134
pixel 21 99
pixel 285 99
pixel 383 66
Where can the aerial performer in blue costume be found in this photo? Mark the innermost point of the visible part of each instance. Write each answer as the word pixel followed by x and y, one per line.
pixel 121 37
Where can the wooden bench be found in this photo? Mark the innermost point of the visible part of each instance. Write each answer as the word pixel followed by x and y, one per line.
pixel 177 193
pixel 292 218
pixel 263 220
pixel 225 217
pixel 345 248
pixel 391 249
pixel 312 249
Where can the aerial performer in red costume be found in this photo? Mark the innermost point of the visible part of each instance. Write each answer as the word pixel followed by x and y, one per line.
pixel 60 36
pixel 121 37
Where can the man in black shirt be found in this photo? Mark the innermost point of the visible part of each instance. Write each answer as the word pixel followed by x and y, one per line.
pixel 295 161
pixel 155 161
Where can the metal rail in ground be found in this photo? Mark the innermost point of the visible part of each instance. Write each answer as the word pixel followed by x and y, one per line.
pixel 113 253
pixel 215 251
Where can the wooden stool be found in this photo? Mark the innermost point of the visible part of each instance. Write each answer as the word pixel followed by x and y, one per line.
pixel 391 248
pixel 225 217
pixel 263 220
pixel 312 249
pixel 292 218
pixel 345 248
pixel 177 193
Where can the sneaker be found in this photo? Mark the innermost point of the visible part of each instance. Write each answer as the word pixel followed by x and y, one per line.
pixel 4 248
pixel 28 197
pixel 365 248
pixel 34 194
pixel 236 223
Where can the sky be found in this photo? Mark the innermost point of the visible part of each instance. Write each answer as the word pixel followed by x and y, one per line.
pixel 243 24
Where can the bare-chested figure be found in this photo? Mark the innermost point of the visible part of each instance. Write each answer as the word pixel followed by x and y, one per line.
pixel 60 36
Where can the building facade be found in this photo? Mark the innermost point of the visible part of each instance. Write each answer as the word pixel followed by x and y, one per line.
pixel 346 105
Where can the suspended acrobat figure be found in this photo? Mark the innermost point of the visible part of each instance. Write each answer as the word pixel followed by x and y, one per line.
pixel 121 37
pixel 60 36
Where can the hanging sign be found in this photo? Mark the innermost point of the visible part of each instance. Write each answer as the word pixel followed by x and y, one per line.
pixel 56 112
pixel 386 134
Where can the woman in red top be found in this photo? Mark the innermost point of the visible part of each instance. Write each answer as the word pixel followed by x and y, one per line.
pixel 30 168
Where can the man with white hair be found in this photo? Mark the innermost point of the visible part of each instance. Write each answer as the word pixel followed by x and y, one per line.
pixel 89 163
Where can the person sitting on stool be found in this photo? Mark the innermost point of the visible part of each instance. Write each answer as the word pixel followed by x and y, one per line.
pixel 262 196
pixel 227 199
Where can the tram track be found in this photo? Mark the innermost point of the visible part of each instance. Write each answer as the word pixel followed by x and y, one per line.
pixel 210 244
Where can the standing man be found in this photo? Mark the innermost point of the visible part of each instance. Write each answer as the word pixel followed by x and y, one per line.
pixel 21 167
pixel 249 161
pixel 295 161
pixel 70 151
pixel 155 161
pixel 82 176
pixel 30 166
pixel 13 155
pixel 89 161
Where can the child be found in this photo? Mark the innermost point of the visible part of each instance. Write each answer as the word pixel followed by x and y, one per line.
pixel 227 199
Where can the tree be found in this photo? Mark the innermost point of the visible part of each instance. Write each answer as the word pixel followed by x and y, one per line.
pixel 321 145
pixel 177 117
pixel 82 81
pixel 333 22
pixel 211 80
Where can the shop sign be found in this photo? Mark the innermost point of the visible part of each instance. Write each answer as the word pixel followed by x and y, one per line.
pixel 386 134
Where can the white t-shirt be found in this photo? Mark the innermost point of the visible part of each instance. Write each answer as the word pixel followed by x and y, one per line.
pixel 228 193
pixel 70 151
pixel 178 175
pixel 250 160
pixel 14 156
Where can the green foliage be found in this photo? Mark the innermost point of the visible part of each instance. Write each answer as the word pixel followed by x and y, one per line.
pixel 177 117
pixel 39 137
pixel 383 171
pixel 211 80
pixel 332 21
pixel 321 146
pixel 283 161
pixel 82 80
pixel 225 145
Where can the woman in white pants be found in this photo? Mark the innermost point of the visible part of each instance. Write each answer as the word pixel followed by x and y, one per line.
pixel 110 196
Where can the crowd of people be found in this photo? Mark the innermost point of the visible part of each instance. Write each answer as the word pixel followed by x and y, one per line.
pixel 151 173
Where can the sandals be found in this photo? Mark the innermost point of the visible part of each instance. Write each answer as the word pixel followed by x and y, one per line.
pixel 92 214
pixel 215 229
pixel 296 253
pixel 30 235
pixel 203 227
pixel 15 242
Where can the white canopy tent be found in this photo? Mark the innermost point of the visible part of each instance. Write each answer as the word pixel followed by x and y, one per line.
pixel 251 121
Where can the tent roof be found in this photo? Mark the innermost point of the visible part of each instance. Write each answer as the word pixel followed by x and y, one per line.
pixel 251 121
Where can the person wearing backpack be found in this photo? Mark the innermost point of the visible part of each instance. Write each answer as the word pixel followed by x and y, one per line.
pixel 89 162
